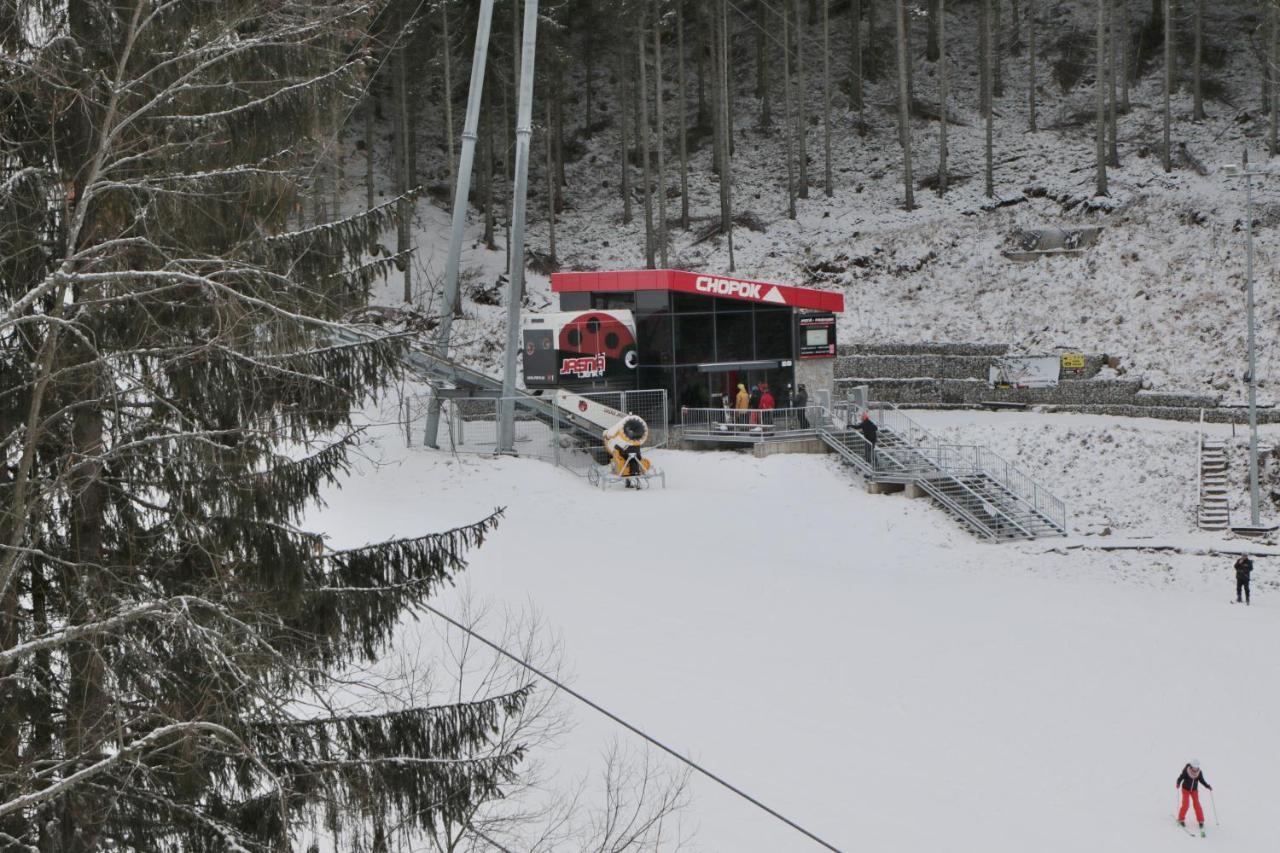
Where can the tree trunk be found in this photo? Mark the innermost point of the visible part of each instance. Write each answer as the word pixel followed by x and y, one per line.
pixel 1166 154
pixel 402 130
pixel 490 240
pixel 855 55
pixel 368 155
pixel 552 189
pixel 447 96
pixel 827 183
pixel 1197 94
pixel 942 97
pixel 1113 151
pixel 904 106
pixel 911 65
pixel 684 119
pixel 86 590
pixel 988 97
pixel 762 65
pixel 335 160
pixel 1126 56
pixel 1015 26
pixel 786 101
pixel 726 168
pixel 1100 122
pixel 871 66
pixel 802 103
pixel 931 48
pixel 1274 15
pixel 643 138
pixel 557 118
pixel 661 134
pixel 1031 65
pixel 624 111
pixel 704 114
pixel 984 57
pixel 997 48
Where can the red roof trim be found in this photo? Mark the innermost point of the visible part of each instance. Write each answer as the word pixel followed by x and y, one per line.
pixel 723 287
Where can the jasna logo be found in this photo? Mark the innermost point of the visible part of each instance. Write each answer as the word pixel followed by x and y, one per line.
pixel 739 289
pixel 584 367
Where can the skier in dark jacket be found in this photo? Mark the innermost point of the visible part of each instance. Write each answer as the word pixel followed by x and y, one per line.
pixel 1189 782
pixel 1244 568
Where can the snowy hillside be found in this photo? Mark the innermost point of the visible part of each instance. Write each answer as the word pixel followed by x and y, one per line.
pixel 860 663
pixel 1163 290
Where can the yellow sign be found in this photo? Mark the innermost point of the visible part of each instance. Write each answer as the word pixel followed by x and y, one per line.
pixel 1073 361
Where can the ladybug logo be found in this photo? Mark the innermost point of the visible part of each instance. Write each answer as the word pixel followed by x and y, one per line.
pixel 600 333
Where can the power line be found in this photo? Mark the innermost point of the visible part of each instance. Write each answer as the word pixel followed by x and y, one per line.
pixel 615 718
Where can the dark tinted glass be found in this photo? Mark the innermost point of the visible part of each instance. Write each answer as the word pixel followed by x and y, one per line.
pixel 654 333
pixel 733 337
pixel 653 377
pixel 773 334
pixel 652 301
pixel 575 301
pixel 614 301
pixel 695 338
pixel 686 302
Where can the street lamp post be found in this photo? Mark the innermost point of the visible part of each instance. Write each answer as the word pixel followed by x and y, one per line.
pixel 1252 377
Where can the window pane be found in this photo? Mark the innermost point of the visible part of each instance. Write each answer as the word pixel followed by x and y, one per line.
pixel 652 301
pixel 733 337
pixel 695 338
pixel 684 303
pixel 654 333
pixel 575 301
pixel 773 334
pixel 614 301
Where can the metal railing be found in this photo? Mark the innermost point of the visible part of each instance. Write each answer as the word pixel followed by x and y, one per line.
pixel 544 431
pixel 750 425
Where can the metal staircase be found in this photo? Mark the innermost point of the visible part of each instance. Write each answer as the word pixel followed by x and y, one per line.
pixel 982 491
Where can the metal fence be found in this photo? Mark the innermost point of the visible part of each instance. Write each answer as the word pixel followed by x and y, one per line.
pixel 543 430
pixel 749 425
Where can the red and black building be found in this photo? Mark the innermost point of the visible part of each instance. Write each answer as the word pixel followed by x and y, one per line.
pixel 694 334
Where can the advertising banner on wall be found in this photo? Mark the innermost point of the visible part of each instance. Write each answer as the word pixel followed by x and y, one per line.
pixel 1024 372
pixel 816 335
pixel 579 347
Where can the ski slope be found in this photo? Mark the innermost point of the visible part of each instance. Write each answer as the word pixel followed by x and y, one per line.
pixel 858 662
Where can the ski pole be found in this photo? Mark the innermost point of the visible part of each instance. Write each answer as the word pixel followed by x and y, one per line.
pixel 1214 802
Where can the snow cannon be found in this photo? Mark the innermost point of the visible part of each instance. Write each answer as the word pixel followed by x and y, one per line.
pixel 623 440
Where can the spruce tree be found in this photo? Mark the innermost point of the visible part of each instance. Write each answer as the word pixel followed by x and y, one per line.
pixel 174 397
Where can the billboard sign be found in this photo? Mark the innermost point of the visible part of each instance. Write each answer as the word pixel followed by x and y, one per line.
pixel 579 346
pixel 816 335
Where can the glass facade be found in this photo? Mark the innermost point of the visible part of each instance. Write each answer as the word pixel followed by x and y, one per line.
pixel 677 332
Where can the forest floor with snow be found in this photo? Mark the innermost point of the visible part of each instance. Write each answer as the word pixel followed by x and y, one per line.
pixel 859 662
pixel 1163 290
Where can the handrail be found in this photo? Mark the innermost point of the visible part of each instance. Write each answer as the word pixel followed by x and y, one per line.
pixel 969 459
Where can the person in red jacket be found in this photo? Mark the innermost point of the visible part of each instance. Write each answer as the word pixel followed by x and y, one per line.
pixel 1189 782
pixel 766 403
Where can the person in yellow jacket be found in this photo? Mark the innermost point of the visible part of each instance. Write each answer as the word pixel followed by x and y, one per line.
pixel 743 401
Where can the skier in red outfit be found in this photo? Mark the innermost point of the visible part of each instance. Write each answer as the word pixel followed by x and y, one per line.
pixel 1189 782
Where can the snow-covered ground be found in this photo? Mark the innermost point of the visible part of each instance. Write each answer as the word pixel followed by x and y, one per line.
pixel 860 663
pixel 1124 476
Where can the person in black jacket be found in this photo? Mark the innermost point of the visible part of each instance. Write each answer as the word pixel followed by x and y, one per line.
pixel 801 402
pixel 869 431
pixel 1189 782
pixel 1244 568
